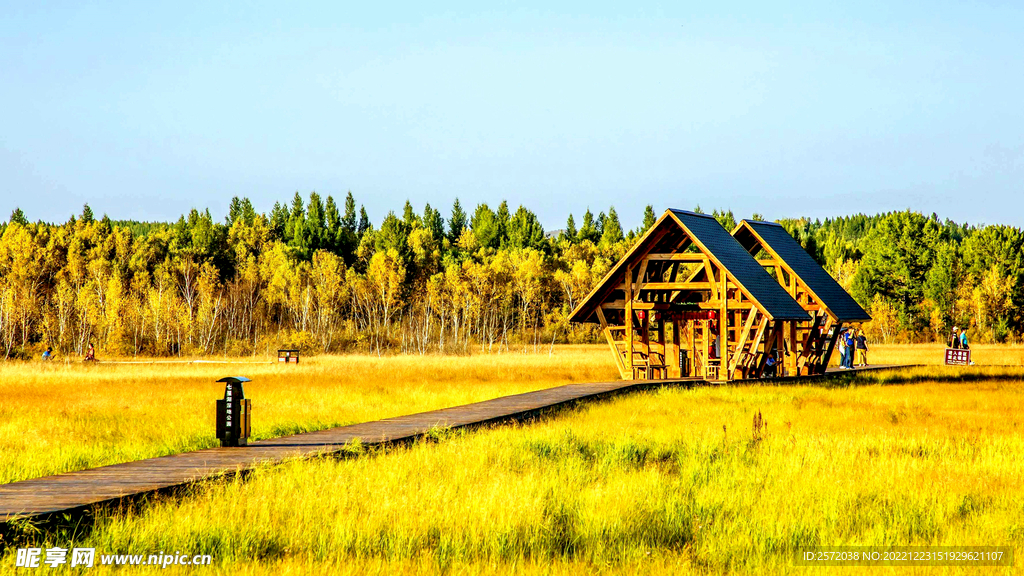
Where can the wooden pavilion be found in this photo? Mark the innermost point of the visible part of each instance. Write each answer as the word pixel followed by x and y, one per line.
pixel 688 301
pixel 829 305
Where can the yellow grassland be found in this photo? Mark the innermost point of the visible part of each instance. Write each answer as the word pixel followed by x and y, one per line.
pixel 672 481
pixel 59 417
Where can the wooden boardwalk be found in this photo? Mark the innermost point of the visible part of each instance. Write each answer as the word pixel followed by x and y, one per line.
pixel 76 490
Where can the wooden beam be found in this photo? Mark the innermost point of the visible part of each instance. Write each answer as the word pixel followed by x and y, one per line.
pixel 612 343
pixel 640 279
pixel 672 353
pixel 723 328
pixel 827 356
pixel 629 319
pixel 711 279
pixel 770 341
pixel 668 286
pixel 684 257
pixel 743 339
pixel 716 304
pixel 621 304
pixel 760 334
pixel 806 347
pixel 791 361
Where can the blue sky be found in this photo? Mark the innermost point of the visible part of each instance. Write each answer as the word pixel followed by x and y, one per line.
pixel 145 110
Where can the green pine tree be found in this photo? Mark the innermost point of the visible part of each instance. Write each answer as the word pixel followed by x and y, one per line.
pixel 612 229
pixel 570 229
pixel 457 222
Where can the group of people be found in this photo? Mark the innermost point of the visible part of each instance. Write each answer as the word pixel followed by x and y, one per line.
pixel 853 348
pixel 90 354
pixel 958 339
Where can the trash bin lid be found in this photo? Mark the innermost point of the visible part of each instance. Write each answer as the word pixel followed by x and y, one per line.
pixel 234 379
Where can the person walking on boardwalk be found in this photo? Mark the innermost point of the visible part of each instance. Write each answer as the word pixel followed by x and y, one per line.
pixel 849 348
pixel 954 338
pixel 862 349
pixel 963 343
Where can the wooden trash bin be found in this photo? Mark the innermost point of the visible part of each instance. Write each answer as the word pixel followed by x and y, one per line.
pixel 234 412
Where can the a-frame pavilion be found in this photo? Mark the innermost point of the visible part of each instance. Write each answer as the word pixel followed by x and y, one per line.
pixel 810 285
pixel 689 301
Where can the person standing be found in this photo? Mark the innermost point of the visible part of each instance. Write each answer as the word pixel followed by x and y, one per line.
pixel 862 349
pixel 849 348
pixel 963 343
pixel 841 342
pixel 954 338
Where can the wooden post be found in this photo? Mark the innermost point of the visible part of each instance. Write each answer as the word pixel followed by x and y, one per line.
pixel 769 342
pixel 704 345
pixel 629 321
pixel 742 341
pixel 611 342
pixel 672 358
pixel 780 333
pixel 645 336
pixel 723 329
pixel 691 333
pixel 791 359
pixel 823 364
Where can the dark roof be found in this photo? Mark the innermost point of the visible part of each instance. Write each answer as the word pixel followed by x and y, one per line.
pixel 741 266
pixel 825 289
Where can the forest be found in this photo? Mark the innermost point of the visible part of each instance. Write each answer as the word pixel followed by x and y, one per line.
pixel 324 278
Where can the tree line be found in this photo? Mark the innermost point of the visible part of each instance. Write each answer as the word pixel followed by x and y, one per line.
pixel 322 277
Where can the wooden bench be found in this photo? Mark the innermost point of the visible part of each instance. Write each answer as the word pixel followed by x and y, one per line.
pixel 651 365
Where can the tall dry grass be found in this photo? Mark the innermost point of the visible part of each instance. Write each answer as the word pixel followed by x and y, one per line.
pixel 933 354
pixel 673 481
pixel 57 417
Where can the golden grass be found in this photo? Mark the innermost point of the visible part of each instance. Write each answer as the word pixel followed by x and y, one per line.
pixel 672 481
pixel 932 354
pixel 60 417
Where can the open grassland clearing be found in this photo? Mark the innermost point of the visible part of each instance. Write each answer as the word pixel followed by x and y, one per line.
pixel 64 416
pixel 57 417
pixel 903 354
pixel 670 482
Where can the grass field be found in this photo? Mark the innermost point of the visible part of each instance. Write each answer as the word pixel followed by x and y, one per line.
pixel 672 481
pixel 61 417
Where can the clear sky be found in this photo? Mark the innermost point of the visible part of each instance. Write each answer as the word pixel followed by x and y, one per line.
pixel 146 109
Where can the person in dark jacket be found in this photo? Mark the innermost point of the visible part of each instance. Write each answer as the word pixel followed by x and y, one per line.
pixel 862 349
pixel 849 348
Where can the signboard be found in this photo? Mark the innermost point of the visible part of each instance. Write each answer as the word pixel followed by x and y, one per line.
pixel 693 315
pixel 957 357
